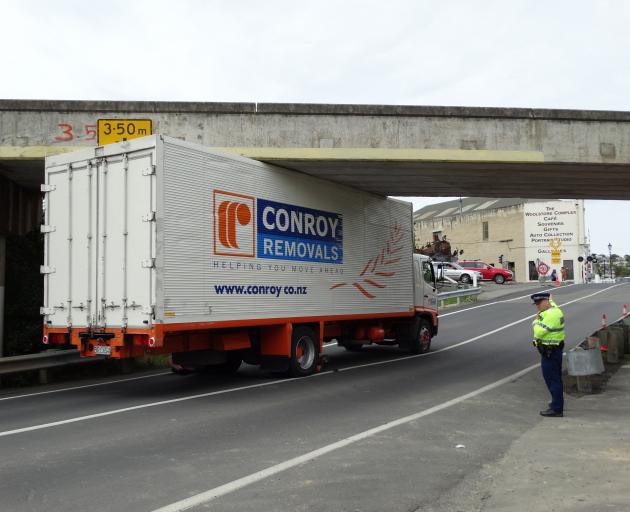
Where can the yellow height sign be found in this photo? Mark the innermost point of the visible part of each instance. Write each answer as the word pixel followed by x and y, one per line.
pixel 556 252
pixel 118 130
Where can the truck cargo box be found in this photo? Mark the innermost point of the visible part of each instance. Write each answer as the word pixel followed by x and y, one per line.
pixel 157 234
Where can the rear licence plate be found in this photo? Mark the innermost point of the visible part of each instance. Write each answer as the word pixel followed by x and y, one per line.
pixel 103 350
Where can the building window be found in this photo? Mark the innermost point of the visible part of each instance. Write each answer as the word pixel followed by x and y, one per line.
pixel 484 227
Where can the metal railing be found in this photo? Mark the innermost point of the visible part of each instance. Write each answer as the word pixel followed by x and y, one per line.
pixel 458 295
pixel 43 361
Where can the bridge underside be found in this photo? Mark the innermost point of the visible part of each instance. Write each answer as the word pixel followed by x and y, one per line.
pixel 465 173
pixel 554 181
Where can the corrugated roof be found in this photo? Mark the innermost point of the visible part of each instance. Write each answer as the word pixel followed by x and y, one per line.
pixel 487 204
pixel 426 214
pixel 446 212
pixel 478 204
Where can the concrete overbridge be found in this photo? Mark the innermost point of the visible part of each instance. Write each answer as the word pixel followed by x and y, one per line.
pixel 388 150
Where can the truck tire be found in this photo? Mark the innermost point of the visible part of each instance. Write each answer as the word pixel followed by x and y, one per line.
pixel 421 344
pixel 304 352
pixel 499 279
pixel 465 279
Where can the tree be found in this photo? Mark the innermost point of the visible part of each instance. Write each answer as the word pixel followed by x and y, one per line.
pixel 621 271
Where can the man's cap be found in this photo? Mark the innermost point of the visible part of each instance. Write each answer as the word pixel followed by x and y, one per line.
pixel 537 297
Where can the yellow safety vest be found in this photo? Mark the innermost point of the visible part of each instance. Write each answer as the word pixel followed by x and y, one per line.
pixel 549 326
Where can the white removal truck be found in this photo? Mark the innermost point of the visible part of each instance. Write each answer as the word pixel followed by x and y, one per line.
pixel 158 245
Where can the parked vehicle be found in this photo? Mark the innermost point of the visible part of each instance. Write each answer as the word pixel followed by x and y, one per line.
pixel 488 272
pixel 456 272
pixel 156 245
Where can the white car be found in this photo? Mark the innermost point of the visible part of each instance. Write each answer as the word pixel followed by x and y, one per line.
pixel 455 272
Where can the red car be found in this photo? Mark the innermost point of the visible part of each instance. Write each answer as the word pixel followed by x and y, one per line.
pixel 488 272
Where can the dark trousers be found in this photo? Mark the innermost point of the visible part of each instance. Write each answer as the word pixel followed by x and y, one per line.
pixel 552 373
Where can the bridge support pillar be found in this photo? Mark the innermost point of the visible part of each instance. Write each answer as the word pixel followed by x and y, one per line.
pixel 3 265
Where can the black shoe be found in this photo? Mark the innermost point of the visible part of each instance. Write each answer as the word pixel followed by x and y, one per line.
pixel 550 413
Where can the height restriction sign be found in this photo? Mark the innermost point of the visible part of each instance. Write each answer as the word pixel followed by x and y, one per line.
pixel 118 130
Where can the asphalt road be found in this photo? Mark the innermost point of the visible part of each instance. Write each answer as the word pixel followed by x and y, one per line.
pixel 252 442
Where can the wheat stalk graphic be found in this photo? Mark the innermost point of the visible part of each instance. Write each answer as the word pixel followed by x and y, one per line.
pixel 375 272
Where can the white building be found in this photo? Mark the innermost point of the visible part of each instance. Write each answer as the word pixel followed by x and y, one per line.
pixel 532 237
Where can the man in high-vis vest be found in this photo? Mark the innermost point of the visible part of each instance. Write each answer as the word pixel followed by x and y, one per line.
pixel 549 340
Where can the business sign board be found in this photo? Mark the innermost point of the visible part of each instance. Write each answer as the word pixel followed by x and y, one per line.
pixel 552 234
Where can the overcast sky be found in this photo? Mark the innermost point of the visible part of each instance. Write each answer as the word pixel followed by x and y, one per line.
pixel 559 54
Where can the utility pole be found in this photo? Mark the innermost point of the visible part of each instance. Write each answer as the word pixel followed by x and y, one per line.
pixel 610 260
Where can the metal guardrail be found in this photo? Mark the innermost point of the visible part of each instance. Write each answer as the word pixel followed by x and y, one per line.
pixel 458 294
pixel 42 361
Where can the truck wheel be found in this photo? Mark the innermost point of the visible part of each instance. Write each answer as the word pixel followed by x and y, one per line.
pixel 465 279
pixel 499 279
pixel 304 352
pixel 422 343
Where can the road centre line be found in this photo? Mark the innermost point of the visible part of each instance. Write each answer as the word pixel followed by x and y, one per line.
pixel 167 373
pixel 142 406
pixel 235 485
pixel 470 340
pixel 534 290
pixel 85 386
pixel 117 381
pixel 271 383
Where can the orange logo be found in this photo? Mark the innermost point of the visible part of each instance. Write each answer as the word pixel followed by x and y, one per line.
pixel 234 227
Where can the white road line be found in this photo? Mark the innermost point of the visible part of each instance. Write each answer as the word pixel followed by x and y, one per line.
pixel 142 406
pixel 279 381
pixel 28 395
pixel 235 485
pixel 470 340
pixel 442 315
pixel 533 290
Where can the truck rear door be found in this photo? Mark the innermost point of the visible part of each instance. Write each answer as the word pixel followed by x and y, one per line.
pixel 100 239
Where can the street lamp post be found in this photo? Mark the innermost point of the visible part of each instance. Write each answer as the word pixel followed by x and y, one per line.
pixel 610 260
